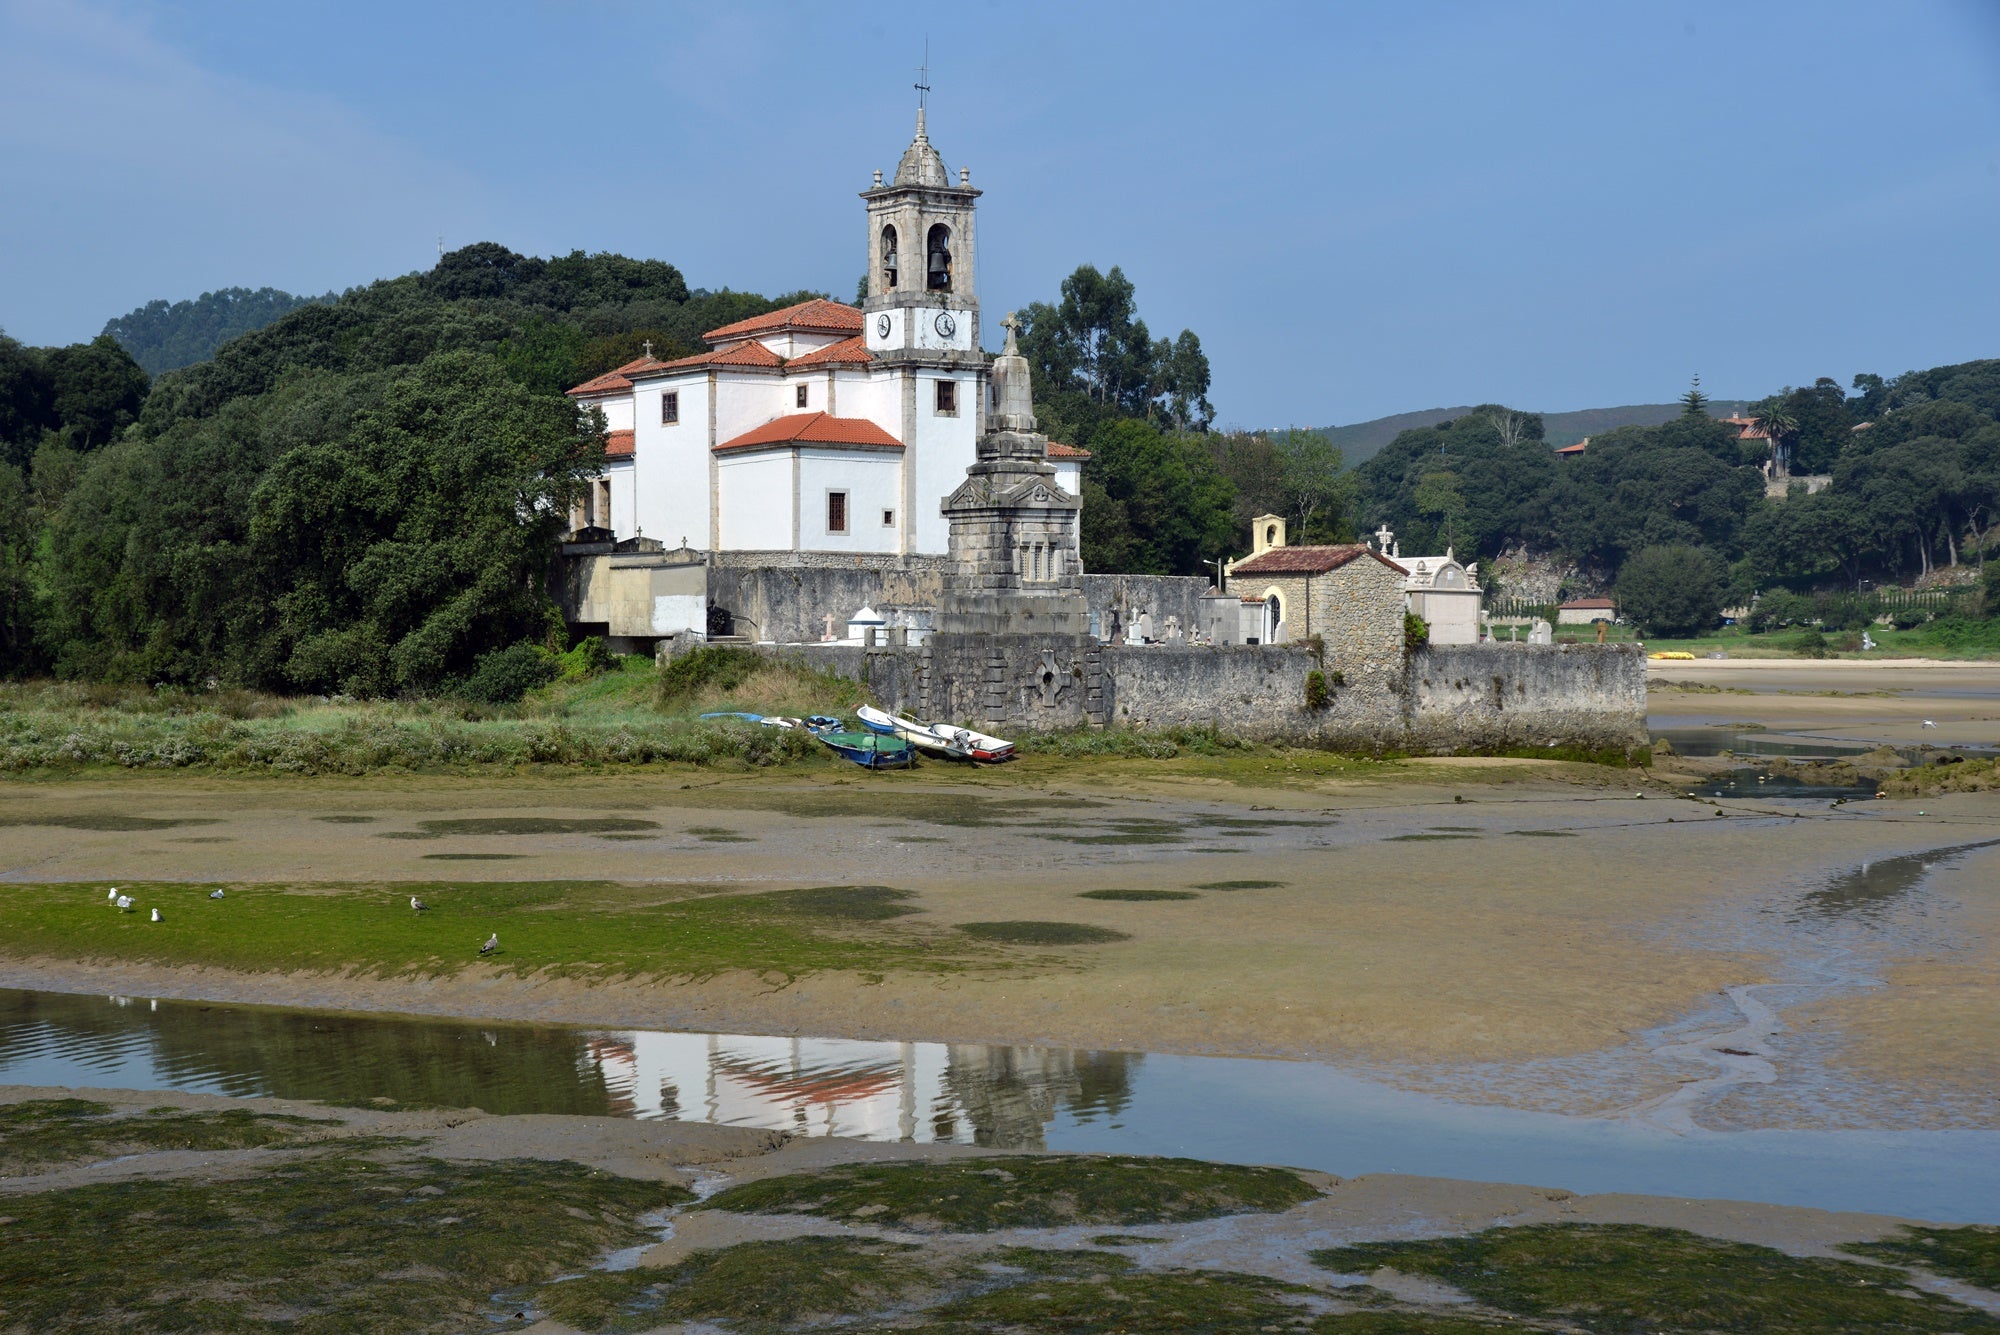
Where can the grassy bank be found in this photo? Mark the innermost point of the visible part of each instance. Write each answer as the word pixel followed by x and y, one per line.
pixel 1948 638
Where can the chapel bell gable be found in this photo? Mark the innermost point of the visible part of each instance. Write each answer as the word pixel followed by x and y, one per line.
pixel 920 233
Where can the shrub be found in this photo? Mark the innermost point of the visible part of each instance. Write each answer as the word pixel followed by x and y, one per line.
pixel 1909 618
pixel 1416 632
pixel 1811 644
pixel 505 675
pixel 587 658
pixel 1317 695
pixel 1673 590
pixel 711 667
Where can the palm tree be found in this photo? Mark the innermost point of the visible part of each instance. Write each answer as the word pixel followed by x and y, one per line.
pixel 1778 426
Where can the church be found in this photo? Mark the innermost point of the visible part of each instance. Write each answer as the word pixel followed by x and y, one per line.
pixel 821 428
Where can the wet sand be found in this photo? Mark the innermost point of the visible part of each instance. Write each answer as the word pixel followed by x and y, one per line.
pixel 1419 934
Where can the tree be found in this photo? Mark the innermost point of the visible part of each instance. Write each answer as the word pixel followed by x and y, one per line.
pixel 1778 425
pixel 1154 503
pixel 1316 491
pixel 1463 476
pixel 162 336
pixel 1093 344
pixel 1694 403
pixel 17 596
pixel 1438 498
pixel 1674 590
pixel 419 541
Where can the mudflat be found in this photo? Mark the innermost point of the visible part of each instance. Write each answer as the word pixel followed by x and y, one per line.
pixel 1531 933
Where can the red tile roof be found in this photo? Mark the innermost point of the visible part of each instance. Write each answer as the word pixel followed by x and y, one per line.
pixel 817 315
pixel 1058 450
pixel 813 429
pixel 752 353
pixel 1591 604
pixel 1574 449
pixel 1310 560
pixel 616 379
pixel 618 444
pixel 847 352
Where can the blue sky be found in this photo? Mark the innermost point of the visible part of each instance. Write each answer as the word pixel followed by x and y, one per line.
pixel 1361 209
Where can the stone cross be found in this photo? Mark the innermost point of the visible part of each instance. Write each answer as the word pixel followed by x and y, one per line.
pixel 828 618
pixel 1011 324
pixel 648 346
pixel 1382 538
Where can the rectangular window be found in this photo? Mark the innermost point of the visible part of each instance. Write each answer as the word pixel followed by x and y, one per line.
pixel 947 398
pixel 836 512
pixel 888 519
pixel 801 396
pixel 670 408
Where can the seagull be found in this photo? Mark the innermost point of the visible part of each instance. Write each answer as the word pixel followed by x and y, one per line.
pixel 215 894
pixel 157 917
pixel 112 894
pixel 492 944
pixel 1930 723
pixel 125 903
pixel 418 904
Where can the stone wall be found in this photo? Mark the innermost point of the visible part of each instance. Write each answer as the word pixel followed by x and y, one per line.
pixel 787 596
pixel 1491 696
pixel 1451 698
pixel 1116 600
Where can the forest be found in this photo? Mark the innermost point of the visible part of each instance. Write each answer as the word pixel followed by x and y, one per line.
pixel 359 494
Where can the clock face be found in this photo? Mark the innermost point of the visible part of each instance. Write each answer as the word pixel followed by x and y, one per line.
pixel 882 326
pixel 946 326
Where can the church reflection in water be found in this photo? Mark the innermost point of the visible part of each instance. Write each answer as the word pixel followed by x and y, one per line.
pixel 1005 1097
pixel 961 1093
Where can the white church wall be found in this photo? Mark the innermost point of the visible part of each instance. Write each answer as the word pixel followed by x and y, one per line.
pixel 944 448
pixel 743 401
pixel 874 395
pixel 754 491
pixel 672 462
pixel 873 483
pixel 617 411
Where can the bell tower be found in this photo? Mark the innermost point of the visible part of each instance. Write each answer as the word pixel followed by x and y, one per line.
pixel 921 255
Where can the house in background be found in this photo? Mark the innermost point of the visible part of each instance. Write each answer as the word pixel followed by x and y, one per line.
pixel 1586 611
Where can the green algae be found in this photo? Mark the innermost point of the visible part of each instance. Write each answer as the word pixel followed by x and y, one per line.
pixel 855 903
pixel 1031 932
pixel 38 1133
pixel 348 820
pixel 1122 1240
pixel 1186 1302
pixel 1025 1191
pixel 319 1243
pixel 1971 1253
pixel 753 1285
pixel 1612 1279
pixel 1420 838
pixel 535 825
pixel 1544 834
pixel 1241 885
pixel 106 822
pixel 1138 896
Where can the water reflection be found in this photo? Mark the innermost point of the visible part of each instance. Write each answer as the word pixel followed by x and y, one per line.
pixel 973 1094
pixel 1752 784
pixel 1869 888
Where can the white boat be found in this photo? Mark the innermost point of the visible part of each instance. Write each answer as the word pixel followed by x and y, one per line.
pixel 920 735
pixel 940 738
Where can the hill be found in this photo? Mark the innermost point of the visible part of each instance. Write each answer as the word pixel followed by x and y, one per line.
pixel 165 336
pixel 1362 440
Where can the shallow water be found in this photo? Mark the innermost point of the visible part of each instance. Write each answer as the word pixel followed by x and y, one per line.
pixel 1873 886
pixel 1232 1109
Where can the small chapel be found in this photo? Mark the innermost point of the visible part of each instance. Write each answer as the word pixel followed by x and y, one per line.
pixel 821 428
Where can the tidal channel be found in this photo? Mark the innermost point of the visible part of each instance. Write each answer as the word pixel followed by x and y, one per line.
pixel 1241 1110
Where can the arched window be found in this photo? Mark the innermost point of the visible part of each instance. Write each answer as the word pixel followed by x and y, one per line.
pixel 937 259
pixel 889 259
pixel 1270 535
pixel 1274 616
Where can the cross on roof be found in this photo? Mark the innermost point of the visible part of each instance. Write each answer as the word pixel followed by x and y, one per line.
pixel 648 346
pixel 923 84
pixel 1383 537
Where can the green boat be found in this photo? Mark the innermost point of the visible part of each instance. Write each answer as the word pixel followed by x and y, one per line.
pixel 867 749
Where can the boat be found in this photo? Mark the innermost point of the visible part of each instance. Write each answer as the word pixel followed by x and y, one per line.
pixel 920 735
pixel 941 737
pixel 870 750
pixel 768 720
